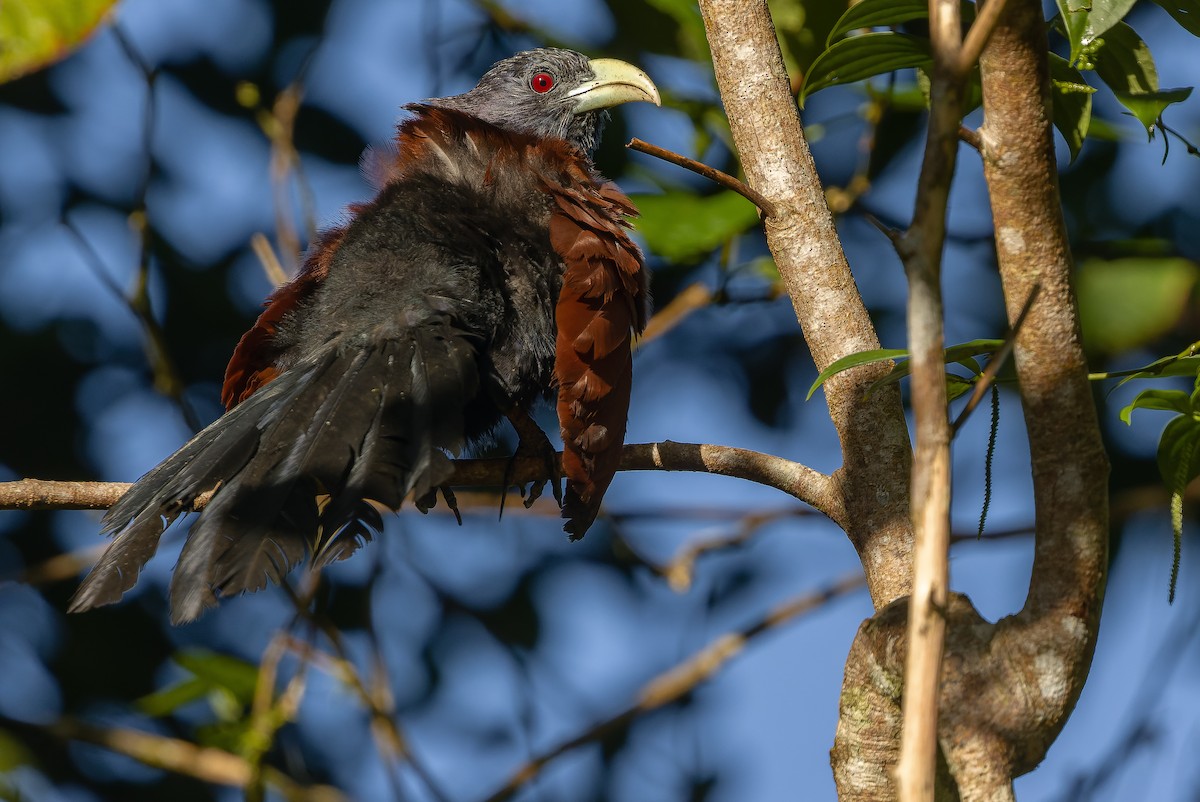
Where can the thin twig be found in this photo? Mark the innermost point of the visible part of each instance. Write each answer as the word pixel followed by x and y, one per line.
pixel 679 571
pixel 675 683
pixel 711 173
pixel 979 34
pixel 166 376
pixel 971 137
pixel 995 363
pixel 375 696
pixel 204 763
pixel 922 251
pixel 267 258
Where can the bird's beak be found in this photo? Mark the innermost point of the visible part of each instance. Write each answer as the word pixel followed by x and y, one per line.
pixel 616 82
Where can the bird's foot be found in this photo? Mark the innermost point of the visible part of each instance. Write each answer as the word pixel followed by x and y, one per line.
pixel 428 501
pixel 533 445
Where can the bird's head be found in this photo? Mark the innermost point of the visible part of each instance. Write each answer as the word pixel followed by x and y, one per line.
pixel 554 93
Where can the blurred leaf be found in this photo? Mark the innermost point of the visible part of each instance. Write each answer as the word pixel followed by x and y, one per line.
pixel 686 14
pixel 877 14
pixel 802 29
pixel 1085 22
pixel 1071 100
pixel 681 227
pixel 34 33
pixel 1125 303
pixel 865 56
pixel 13 754
pixel 1185 12
pixel 670 27
pixel 221 671
pixel 168 700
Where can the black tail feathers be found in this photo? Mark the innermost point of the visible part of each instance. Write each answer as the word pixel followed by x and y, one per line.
pixel 296 468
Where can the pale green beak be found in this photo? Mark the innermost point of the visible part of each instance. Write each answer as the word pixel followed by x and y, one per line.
pixel 616 82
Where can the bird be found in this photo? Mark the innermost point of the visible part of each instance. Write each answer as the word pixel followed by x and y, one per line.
pixel 493 267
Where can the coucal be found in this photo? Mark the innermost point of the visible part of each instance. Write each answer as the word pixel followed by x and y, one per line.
pixel 493 265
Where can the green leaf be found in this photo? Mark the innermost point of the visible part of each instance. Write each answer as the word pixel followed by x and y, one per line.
pixel 865 56
pixel 683 227
pixel 1168 400
pixel 955 354
pixel 1148 106
pixel 1185 12
pixel 961 353
pixel 1071 100
pixel 1125 303
pixel 227 682
pixel 221 671
pixel 877 14
pixel 957 386
pixel 34 33
pixel 1123 61
pixel 1074 22
pixel 13 753
pixel 854 361
pixel 972 348
pixel 1086 22
pixel 1182 364
pixel 168 700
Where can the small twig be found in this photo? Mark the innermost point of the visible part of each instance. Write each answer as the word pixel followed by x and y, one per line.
pixel 267 258
pixel 971 137
pixel 675 683
pixel 711 173
pixel 679 571
pixel 204 763
pixel 693 297
pixel 376 697
pixel 979 34
pixel 892 234
pixel 995 363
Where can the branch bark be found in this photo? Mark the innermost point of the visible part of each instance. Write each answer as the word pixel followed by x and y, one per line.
pixel 799 481
pixel 921 251
pixel 1007 689
pixel 873 479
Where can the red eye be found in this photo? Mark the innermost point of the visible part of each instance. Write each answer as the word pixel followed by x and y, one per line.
pixel 541 83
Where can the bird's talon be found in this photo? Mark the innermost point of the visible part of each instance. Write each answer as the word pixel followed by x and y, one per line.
pixel 452 502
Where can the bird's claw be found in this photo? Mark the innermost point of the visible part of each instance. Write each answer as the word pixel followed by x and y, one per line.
pixel 428 501
pixel 536 447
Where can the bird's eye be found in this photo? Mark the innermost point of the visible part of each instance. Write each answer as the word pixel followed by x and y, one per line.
pixel 541 83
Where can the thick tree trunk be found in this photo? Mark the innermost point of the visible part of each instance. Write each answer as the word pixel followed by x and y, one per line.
pixel 1007 688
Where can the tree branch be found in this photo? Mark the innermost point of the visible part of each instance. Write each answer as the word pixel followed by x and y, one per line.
pixel 921 251
pixel 1051 641
pixel 812 487
pixel 766 129
pixel 711 173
